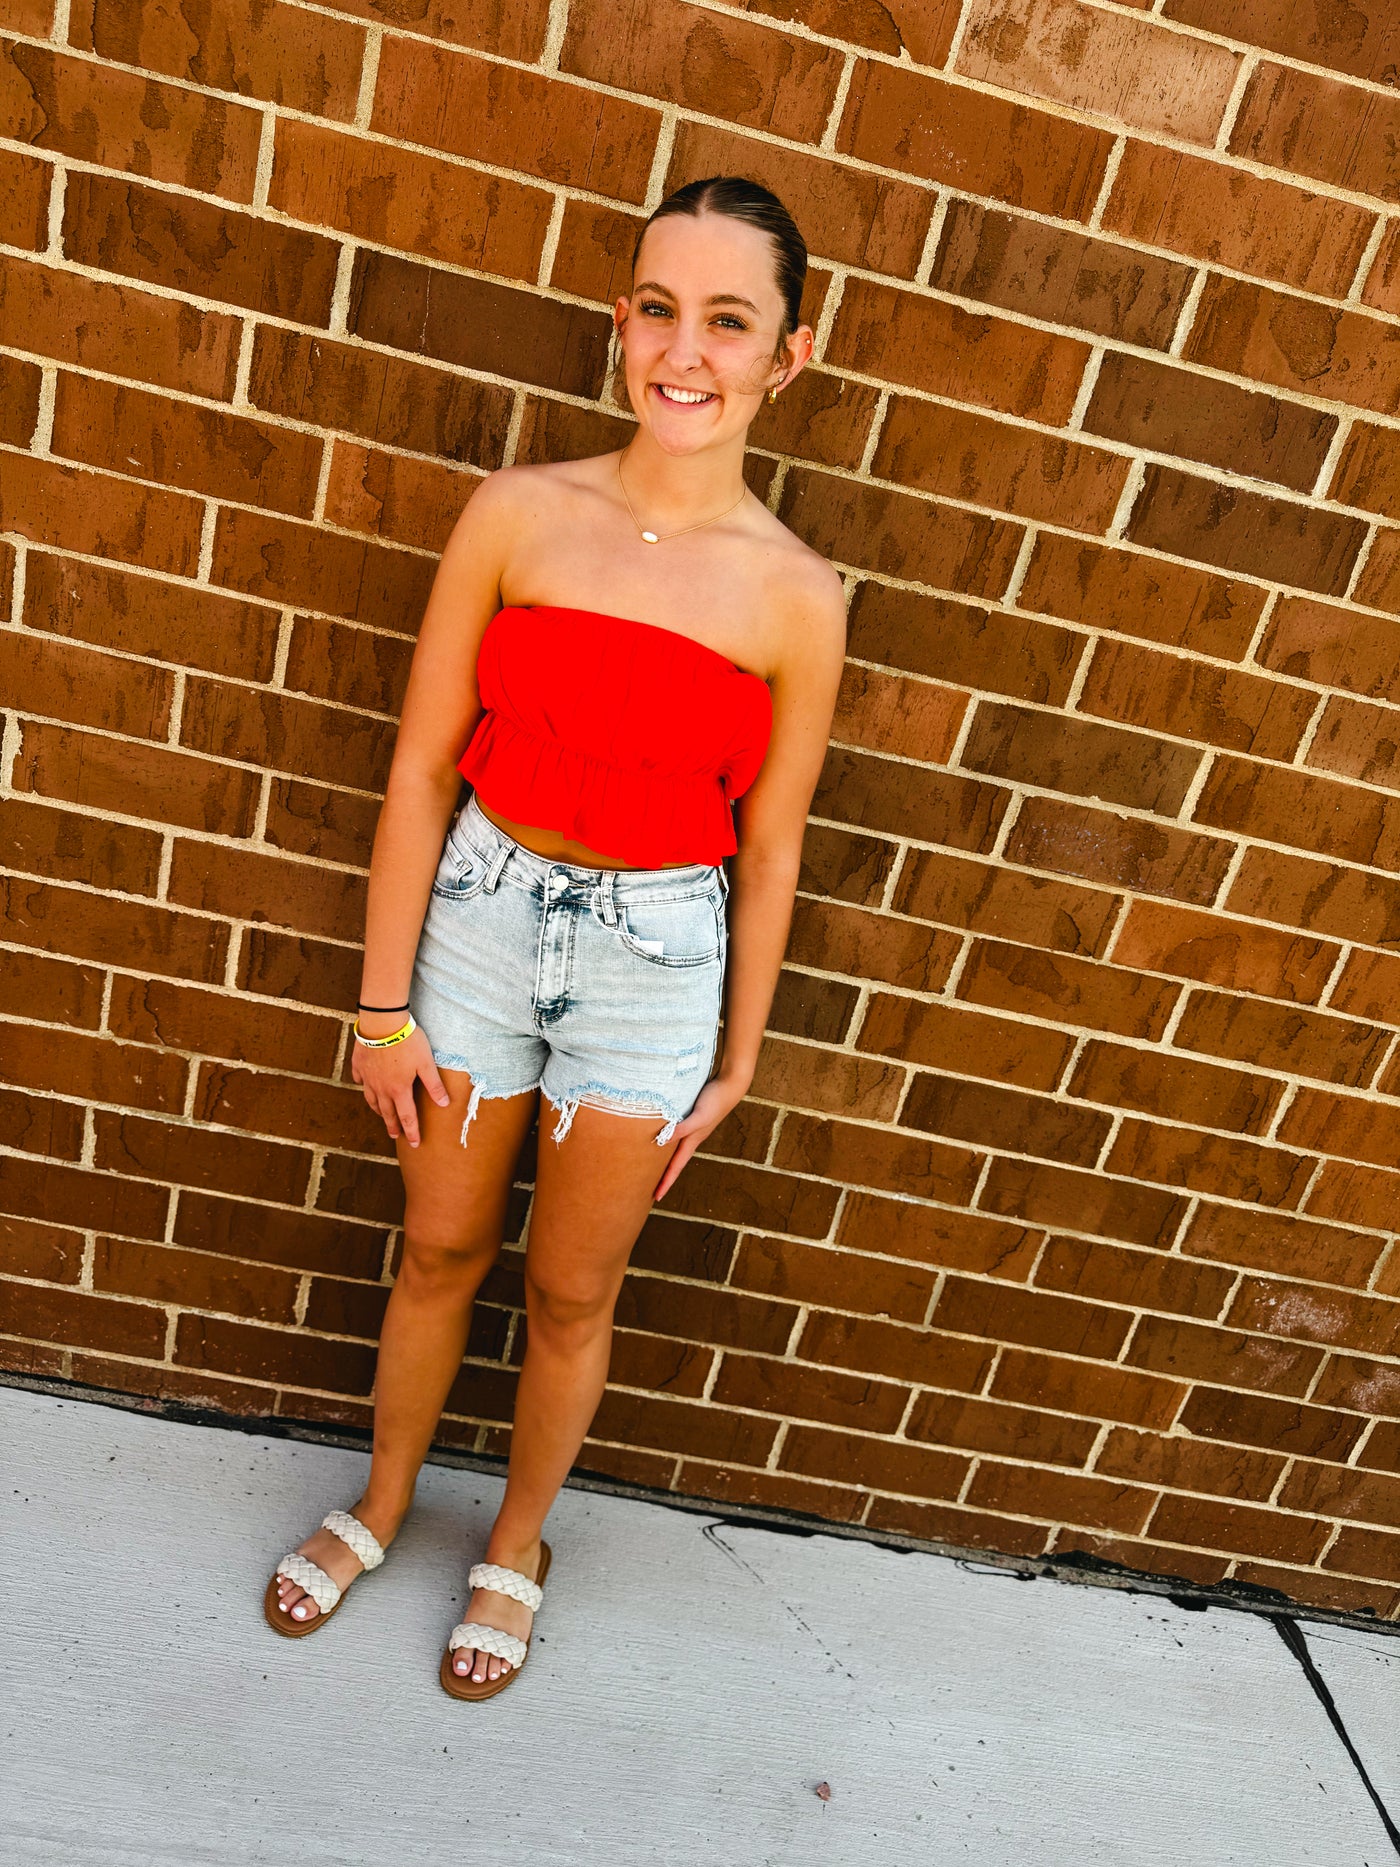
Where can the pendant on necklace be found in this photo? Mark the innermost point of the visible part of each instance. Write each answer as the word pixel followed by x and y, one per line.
pixel 650 538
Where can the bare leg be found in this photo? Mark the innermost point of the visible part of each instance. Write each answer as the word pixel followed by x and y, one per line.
pixel 592 1196
pixel 453 1224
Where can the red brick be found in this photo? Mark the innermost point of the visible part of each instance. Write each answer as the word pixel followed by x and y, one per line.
pixel 805 1393
pixel 734 1193
pixel 956 1529
pixel 1330 1491
pixel 726 1318
pixel 398 197
pixel 1174 1087
pixel 1230 953
pixel 1371 1387
pixel 223 1025
pixel 1296 343
pixel 114 932
pixel 24 200
pixel 1334 647
pixel 313 971
pixel 272 52
pixel 1066 991
pixel 985 145
pixel 923 342
pixel 195 1156
pixel 73 683
pixel 1276 1425
pixel 731 1485
pixel 1368 475
pixel 1318 895
pixel 685 1426
pixel 1316 126
pixel 1296 1042
pixel 1197 1351
pixel 266 728
pixel 911 719
pixel 1060 1496
pixel 1359 43
pixel 909 800
pixel 895 1350
pixel 851 215
pixel 194 1280
pixel 93 513
pixel 97 1069
pixel 887 1160
pixel 1358 740
pixel 43 1124
pixel 287 563
pixel 871 528
pixel 803 1006
pixel 973 895
pixel 314 820
pixel 707 61
pixel 357 667
pixel 105 774
pixel 960 1241
pixel 1127 591
pixel 1287 1246
pixel 1238 1528
pixel 193 246
pixel 471 107
pixel 948 1037
pixel 831 1279
pixel 63 845
pixel 1347 1125
pixel 1207 1163
pixel 1003 1118
pixel 810 1077
pixel 1092 1389
pixel 34 986
pixel 146 616
pixel 1066 754
pixel 1197 701
pixel 1146 1280
pixel 384 399
pixel 32 1249
pixel 1382 288
pixel 1059 275
pixel 870 946
pixel 1362 1550
pixel 19 400
pixel 1369 987
pixel 1085 1202
pixel 1014 1432
pixel 264 886
pixel 1182 1464
pixel 73 1196
pixel 286 1357
pixel 1120 852
pixel 971 457
pixel 115 119
pixel 1355 1195
pixel 44 1313
pixel 298 1240
pixel 130 431
pixel 1299 809
pixel 1212 211
pixel 1251 533
pixel 950 641
pixel 885 1465
pixel 408 502
pixel 1379 582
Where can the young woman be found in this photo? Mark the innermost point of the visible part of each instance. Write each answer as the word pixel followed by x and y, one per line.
pixel 623 645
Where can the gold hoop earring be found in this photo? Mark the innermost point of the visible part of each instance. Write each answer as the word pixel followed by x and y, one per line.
pixel 772 395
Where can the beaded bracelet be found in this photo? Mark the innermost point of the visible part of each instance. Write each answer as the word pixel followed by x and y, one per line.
pixel 383 1043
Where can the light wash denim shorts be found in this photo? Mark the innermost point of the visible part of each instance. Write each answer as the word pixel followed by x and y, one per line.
pixel 596 986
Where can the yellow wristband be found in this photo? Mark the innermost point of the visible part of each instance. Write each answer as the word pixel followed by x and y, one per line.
pixel 383 1043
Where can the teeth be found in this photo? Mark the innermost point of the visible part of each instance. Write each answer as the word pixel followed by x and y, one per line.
pixel 683 395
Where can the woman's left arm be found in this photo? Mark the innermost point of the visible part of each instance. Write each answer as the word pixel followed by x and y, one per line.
pixel 771 822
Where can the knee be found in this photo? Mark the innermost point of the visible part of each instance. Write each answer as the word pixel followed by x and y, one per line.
pixel 568 1313
pixel 440 1262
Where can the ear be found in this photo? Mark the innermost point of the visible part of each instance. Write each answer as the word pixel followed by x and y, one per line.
pixel 795 356
pixel 620 310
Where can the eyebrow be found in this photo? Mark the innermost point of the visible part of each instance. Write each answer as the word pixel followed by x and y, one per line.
pixel 715 298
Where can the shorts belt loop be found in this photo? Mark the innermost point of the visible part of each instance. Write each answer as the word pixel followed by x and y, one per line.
pixel 498 862
pixel 607 897
pixel 723 879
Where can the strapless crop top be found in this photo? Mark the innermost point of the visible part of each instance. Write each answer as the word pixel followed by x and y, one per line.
pixel 628 737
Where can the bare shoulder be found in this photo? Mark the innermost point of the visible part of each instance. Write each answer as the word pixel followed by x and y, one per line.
pixel 806 596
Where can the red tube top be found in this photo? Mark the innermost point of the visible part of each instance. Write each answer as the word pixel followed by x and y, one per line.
pixel 628 737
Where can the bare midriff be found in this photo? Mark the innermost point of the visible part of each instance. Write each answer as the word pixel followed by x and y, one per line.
pixel 557 848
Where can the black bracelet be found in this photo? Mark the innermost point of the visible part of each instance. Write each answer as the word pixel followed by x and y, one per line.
pixel 383 1007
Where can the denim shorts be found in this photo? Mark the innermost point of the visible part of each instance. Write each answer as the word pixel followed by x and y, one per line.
pixel 596 986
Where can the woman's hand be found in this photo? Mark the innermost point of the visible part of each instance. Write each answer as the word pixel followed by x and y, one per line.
pixel 714 1102
pixel 388 1076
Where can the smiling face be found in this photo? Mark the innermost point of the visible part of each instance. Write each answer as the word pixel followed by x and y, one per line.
pixel 700 331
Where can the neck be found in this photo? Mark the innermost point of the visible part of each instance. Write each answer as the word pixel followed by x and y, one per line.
pixel 672 490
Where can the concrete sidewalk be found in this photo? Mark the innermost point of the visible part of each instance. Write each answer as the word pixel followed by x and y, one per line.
pixel 690 1683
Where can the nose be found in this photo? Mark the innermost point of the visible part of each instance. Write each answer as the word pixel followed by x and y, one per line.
pixel 684 351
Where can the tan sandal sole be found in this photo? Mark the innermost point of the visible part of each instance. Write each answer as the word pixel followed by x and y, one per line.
pixel 457 1687
pixel 280 1621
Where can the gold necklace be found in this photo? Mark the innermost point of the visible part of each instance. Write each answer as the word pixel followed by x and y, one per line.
pixel 656 538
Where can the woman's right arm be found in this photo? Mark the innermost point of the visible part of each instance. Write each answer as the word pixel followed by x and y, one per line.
pixel 440 711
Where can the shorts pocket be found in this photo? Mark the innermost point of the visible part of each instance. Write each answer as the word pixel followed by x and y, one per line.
pixel 672 933
pixel 461 870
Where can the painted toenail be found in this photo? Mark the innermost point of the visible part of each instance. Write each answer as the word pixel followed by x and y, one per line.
pixel 299 1611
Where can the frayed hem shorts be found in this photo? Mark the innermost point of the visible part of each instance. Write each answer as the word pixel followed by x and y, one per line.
pixel 597 986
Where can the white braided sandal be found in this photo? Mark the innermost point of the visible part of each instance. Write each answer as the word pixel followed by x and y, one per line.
pixel 326 1593
pixel 495 1640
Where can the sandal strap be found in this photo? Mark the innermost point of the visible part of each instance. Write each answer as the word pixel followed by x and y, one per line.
pixel 488 1640
pixel 301 1570
pixel 352 1532
pixel 507 1582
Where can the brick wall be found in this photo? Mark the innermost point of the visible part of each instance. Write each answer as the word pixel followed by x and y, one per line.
pixel 1058 1219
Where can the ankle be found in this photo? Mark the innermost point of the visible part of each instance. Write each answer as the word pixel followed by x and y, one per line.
pixel 510 1549
pixel 383 1516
